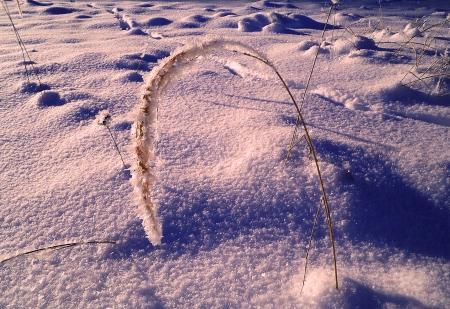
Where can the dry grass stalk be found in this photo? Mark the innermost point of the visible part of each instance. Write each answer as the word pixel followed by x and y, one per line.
pixel 439 69
pixel 25 55
pixel 104 120
pixel 57 247
pixel 301 120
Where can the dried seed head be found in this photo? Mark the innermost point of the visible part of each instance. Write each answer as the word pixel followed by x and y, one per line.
pixel 104 118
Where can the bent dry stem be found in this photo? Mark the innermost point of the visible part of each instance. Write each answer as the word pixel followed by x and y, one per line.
pixel 143 137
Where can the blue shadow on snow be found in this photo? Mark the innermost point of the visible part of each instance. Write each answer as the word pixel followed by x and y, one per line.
pixel 357 295
pixel 383 208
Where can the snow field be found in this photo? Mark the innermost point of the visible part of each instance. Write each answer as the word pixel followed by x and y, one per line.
pixel 235 218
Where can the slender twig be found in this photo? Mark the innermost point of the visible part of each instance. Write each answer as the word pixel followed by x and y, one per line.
pixel 301 120
pixel 105 122
pixel 315 58
pixel 381 15
pixel 57 247
pixel 117 147
pixel 20 9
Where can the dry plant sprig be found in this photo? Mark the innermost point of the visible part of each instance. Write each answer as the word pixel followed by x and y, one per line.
pixel 439 68
pixel 105 120
pixel 61 246
pixel 18 6
pixel 144 131
pixel 441 24
pixel 381 15
pixel 25 55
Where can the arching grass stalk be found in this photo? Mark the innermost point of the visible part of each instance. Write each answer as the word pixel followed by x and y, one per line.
pixel 144 131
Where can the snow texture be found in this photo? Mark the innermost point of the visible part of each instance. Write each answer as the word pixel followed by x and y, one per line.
pixel 206 213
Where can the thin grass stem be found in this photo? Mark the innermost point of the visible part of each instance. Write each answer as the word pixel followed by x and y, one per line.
pixel 316 218
pixel 23 49
pixel 147 117
pixel 57 247
pixel 308 138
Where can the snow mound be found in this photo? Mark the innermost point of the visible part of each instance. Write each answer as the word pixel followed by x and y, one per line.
pixel 305 45
pixel 224 14
pixel 358 42
pixel 257 21
pixel 47 99
pixel 38 3
pixel 129 77
pixel 32 87
pixel 136 31
pixel 277 28
pixel 265 4
pixel 345 17
pixel 56 10
pixel 82 16
pixel 145 5
pixel 411 31
pixel 338 97
pixel 157 21
pixel 193 21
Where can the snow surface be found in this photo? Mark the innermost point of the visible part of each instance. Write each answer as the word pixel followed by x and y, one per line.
pixel 235 218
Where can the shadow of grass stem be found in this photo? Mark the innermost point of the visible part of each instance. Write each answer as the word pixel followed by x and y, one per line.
pixel 25 55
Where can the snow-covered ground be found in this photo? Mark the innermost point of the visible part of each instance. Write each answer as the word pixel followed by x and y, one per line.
pixel 236 219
